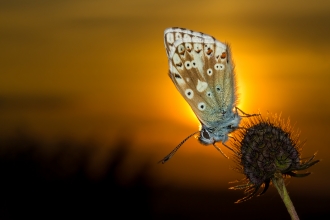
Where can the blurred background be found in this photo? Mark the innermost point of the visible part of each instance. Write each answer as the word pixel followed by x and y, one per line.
pixel 87 109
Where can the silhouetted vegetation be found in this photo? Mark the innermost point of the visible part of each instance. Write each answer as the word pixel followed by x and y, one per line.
pixel 57 186
pixel 36 184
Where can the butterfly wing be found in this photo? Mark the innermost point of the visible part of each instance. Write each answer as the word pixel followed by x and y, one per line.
pixel 202 70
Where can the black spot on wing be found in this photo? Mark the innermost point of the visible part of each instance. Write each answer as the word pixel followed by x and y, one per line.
pixel 177 76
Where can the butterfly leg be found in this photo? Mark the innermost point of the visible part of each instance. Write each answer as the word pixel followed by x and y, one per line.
pixel 219 149
pixel 245 114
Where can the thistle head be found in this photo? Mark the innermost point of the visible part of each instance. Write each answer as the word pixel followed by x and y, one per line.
pixel 265 148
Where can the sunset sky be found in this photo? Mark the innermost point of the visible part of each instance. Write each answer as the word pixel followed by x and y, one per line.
pixel 98 69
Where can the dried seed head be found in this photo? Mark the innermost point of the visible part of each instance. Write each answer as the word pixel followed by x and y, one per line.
pixel 265 147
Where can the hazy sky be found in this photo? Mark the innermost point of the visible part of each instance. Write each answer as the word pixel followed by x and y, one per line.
pixel 99 69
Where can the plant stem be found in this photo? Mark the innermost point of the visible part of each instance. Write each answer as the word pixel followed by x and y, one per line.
pixel 280 186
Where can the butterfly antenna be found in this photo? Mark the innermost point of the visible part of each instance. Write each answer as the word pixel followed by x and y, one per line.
pixel 175 149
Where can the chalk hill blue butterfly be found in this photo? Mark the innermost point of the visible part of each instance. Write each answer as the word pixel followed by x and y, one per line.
pixel 202 70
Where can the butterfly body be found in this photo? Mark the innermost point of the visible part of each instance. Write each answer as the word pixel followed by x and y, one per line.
pixel 202 70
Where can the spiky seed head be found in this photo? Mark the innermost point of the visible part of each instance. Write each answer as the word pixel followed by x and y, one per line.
pixel 265 147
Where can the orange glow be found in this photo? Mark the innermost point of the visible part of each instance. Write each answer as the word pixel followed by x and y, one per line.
pixel 82 70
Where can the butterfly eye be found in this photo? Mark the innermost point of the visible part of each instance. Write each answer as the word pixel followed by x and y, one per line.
pixel 189 93
pixel 219 66
pixel 205 134
pixel 201 106
pixel 209 72
pixel 188 65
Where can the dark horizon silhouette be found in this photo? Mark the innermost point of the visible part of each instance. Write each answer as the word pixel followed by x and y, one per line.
pixel 51 186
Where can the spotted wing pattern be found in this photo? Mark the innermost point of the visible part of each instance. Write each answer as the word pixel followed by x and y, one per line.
pixel 202 70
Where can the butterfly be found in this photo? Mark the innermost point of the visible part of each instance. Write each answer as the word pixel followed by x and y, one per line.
pixel 202 70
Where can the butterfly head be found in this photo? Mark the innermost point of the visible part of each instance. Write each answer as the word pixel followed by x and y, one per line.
pixel 218 132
